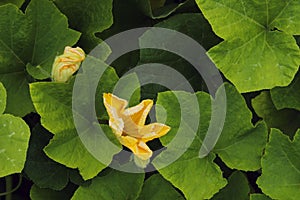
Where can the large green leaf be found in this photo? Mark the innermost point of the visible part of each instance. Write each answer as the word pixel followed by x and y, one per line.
pixel 14 138
pixel 115 185
pixel 156 188
pixel 31 39
pixel 67 148
pixel 255 55
pixel 53 102
pixel 237 188
pixel 43 171
pixel 193 25
pixel 280 177
pixel 287 97
pixel 87 17
pixel 287 120
pixel 240 145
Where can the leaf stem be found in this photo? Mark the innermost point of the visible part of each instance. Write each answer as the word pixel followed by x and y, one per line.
pixel 9 184
pixel 9 187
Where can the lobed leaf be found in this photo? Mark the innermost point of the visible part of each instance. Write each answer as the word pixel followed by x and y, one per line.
pixel 240 145
pixel 281 167
pixel 264 47
pixel 35 41
pixel 237 188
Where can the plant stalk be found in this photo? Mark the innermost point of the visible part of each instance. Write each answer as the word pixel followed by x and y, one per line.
pixel 9 185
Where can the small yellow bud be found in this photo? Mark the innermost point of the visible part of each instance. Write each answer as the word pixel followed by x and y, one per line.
pixel 67 64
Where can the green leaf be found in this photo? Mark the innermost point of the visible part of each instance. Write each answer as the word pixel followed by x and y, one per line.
pixel 237 188
pixel 287 97
pixel 3 97
pixel 193 25
pixel 198 178
pixel 36 40
pixel 17 2
pixel 53 102
pixel 157 188
pixel 281 167
pixel 257 49
pixel 287 120
pixel 259 197
pixel 37 193
pixel 61 149
pixel 126 16
pixel 115 185
pixel 43 171
pixel 240 145
pixel 14 138
pixel 87 17
pixel 77 179
pixel 157 9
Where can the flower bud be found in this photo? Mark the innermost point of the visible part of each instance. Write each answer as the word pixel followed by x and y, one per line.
pixel 67 64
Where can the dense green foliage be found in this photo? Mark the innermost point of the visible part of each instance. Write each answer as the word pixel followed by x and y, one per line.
pixel 254 45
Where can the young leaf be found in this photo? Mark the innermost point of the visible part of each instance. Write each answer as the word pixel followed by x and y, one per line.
pixel 280 177
pixel 157 188
pixel 28 38
pixel 115 185
pixel 258 41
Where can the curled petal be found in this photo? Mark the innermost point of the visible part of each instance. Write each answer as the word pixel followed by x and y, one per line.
pixel 138 147
pixel 114 107
pixel 138 113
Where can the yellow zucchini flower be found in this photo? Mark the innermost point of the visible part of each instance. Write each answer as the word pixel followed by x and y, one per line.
pixel 128 125
pixel 67 64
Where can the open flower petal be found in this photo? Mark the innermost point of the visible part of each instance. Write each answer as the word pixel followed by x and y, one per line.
pixel 154 130
pixel 129 125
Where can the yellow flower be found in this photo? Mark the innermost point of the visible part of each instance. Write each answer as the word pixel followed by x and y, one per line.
pixel 67 64
pixel 128 124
